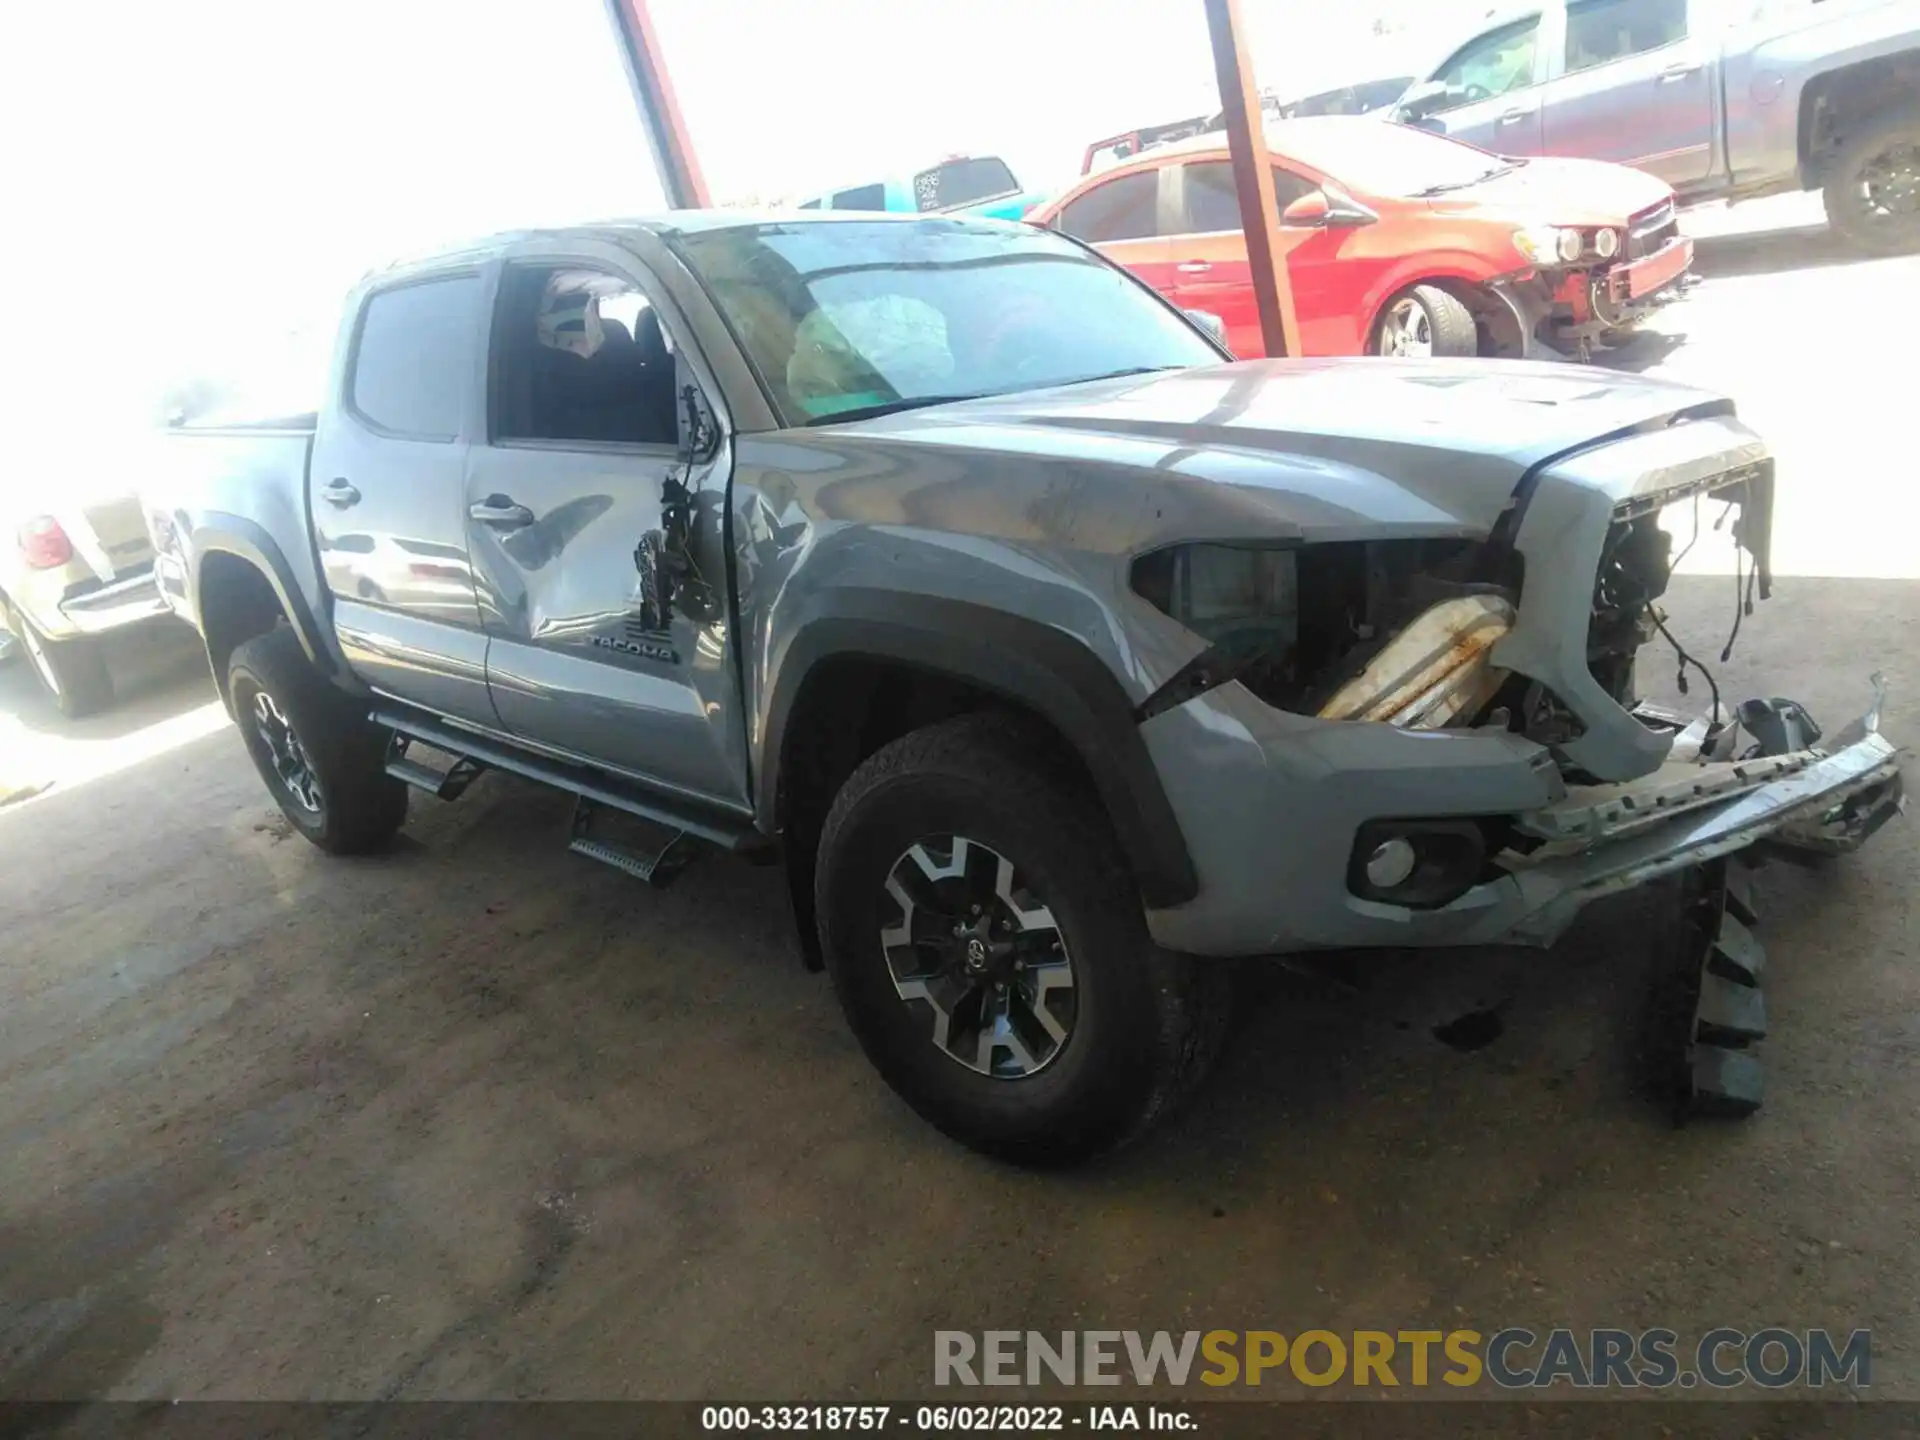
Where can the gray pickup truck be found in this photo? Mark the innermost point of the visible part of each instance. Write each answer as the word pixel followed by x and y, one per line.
pixel 947 565
pixel 1722 99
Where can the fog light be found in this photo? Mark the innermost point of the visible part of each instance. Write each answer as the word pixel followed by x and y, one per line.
pixel 1419 864
pixel 1392 864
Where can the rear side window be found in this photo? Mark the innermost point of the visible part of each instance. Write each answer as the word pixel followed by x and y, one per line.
pixel 1604 30
pixel 962 182
pixel 416 355
pixel 1213 202
pixel 1122 209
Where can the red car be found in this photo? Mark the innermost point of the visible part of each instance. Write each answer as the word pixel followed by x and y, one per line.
pixel 1397 241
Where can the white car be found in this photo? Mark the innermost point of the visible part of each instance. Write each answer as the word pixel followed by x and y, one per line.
pixel 72 567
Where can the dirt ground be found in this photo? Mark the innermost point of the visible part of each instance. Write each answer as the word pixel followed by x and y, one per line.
pixel 480 1118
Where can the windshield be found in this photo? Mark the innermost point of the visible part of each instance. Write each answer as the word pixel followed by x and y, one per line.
pixel 1379 158
pixel 860 318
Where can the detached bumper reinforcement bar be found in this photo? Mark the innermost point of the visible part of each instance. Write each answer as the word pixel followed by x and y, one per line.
pixel 1832 803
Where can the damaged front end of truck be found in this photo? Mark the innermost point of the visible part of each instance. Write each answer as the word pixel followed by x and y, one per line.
pixel 1458 715
pixel 1464 709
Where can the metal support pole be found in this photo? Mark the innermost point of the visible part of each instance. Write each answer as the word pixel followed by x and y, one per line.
pixel 659 112
pixel 1252 176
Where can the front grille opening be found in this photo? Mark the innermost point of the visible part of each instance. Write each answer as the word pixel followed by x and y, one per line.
pixel 1651 230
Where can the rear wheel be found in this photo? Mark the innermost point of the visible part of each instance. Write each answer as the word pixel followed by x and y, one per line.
pixel 72 672
pixel 1873 197
pixel 323 760
pixel 988 947
pixel 1424 322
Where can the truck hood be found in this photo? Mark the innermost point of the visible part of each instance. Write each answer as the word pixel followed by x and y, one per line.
pixel 1553 191
pixel 1323 449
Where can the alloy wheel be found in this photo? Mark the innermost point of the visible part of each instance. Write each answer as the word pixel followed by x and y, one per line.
pixel 975 950
pixel 285 753
pixel 1407 331
pixel 1888 193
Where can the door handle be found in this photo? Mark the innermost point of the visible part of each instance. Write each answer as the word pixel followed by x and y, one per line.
pixel 1517 114
pixel 339 492
pixel 500 512
pixel 1194 267
pixel 1676 72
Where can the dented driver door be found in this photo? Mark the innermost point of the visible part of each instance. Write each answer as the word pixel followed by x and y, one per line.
pixel 594 656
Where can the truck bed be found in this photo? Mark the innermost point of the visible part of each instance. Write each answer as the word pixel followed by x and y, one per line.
pixel 243 478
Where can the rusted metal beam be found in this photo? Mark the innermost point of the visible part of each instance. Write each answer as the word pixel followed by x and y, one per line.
pixel 1252 176
pixel 660 114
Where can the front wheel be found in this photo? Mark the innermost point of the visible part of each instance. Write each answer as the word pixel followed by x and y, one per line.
pixel 1424 322
pixel 1873 197
pixel 71 672
pixel 323 760
pixel 988 947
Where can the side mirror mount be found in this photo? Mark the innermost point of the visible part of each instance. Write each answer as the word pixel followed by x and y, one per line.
pixel 1326 210
pixel 699 437
pixel 1215 327
pixel 1312 211
pixel 1421 100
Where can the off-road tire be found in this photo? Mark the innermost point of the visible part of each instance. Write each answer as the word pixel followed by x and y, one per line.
pixel 1149 1023
pixel 361 806
pixel 72 673
pixel 1841 194
pixel 1452 325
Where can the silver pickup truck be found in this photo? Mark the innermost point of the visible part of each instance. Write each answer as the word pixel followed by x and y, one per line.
pixel 945 564
pixel 1722 99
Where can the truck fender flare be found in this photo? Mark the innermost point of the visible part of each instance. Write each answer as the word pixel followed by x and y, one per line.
pixel 1033 665
pixel 246 540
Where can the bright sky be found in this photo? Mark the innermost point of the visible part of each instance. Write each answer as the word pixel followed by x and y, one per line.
pixel 221 169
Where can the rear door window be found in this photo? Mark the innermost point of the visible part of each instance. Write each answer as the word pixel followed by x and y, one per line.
pixel 1599 31
pixel 1121 209
pixel 1212 199
pixel 416 356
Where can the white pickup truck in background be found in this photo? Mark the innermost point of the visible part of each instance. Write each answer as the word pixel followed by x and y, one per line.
pixel 1722 99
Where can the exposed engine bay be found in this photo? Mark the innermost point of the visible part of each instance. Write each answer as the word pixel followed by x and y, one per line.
pixel 1404 632
pixel 1409 634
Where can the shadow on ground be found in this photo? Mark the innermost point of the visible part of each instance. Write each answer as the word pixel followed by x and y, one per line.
pixel 1641 352
pixel 1769 252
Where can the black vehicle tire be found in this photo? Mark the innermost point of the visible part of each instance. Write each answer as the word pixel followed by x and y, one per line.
pixel 323 760
pixel 1428 316
pixel 1144 1025
pixel 73 673
pixel 1894 140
